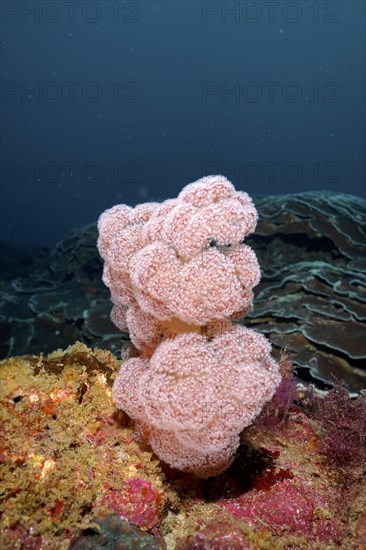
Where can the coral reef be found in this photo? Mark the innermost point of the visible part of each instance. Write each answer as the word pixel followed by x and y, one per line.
pixel 71 473
pixel 66 456
pixel 305 243
pixel 179 275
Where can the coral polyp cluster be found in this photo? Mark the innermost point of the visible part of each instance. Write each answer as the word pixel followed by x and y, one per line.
pixel 193 398
pixel 179 274
pixel 181 263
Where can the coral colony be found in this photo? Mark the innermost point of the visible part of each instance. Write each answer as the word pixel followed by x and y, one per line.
pixel 179 275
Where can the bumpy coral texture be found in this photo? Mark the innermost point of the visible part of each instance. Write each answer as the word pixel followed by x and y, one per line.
pixel 194 396
pixel 180 260
pixel 178 273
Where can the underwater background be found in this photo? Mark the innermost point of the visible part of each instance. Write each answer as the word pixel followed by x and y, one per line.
pixel 128 101
pixel 107 102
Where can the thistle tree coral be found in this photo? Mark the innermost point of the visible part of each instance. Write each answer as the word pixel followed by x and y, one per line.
pixel 179 272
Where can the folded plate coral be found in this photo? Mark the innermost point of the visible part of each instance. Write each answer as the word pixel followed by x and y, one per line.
pixel 312 298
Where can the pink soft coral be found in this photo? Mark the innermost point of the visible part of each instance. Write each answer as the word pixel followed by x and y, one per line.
pixel 195 395
pixel 178 272
pixel 180 260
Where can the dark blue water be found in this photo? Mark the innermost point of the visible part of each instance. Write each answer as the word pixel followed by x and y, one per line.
pixel 110 101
